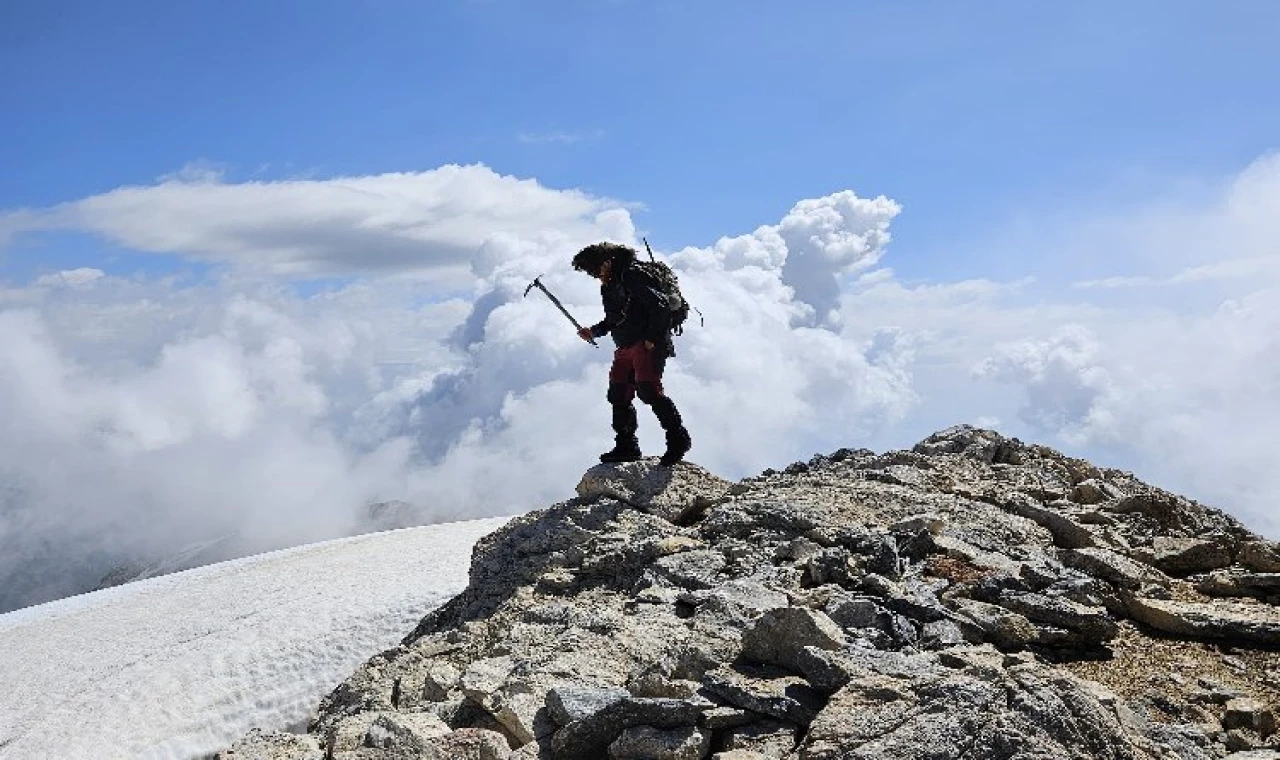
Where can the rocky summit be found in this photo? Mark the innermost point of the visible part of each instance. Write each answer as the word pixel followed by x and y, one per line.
pixel 975 597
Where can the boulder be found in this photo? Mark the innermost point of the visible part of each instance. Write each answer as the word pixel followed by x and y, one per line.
pixel 853 611
pixel 462 744
pixel 955 548
pixel 649 743
pixel 569 704
pixel 985 446
pixel 1085 626
pixel 772 739
pixel 1250 714
pixel 264 744
pixel 347 734
pixel 726 717
pixel 1110 566
pixel 1026 713
pixel 779 635
pixel 1067 532
pixel 1242 740
pixel 696 569
pixel 928 522
pixel 1184 556
pixel 990 622
pixel 516 704
pixel 1236 583
pixel 1093 491
pixel 1221 620
pixel 672 493
pixel 766 691
pixel 410 732
pixel 589 737
pixel 751 596
pixel 1260 556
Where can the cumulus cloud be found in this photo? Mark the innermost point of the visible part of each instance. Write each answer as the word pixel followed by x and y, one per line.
pixel 1067 387
pixel 1188 400
pixel 1183 386
pixel 229 423
pixel 829 237
pixel 1166 365
pixel 1228 226
pixel 751 360
pixel 149 414
pixel 800 261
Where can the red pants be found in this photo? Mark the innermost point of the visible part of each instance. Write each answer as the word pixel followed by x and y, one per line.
pixel 636 364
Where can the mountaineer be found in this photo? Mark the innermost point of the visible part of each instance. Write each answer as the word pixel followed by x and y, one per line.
pixel 638 312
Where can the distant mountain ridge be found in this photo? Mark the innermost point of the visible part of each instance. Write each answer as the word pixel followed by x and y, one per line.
pixel 973 597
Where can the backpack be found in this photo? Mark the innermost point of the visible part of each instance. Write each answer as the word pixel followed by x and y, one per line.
pixel 660 279
pixel 663 282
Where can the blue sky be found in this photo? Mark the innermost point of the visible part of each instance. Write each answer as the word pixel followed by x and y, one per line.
pixel 716 116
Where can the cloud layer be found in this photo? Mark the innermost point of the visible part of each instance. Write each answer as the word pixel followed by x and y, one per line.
pixel 145 414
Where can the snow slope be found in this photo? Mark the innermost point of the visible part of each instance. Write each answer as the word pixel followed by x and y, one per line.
pixel 180 666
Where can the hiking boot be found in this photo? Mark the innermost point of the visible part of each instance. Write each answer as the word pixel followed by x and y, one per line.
pixel 678 444
pixel 623 452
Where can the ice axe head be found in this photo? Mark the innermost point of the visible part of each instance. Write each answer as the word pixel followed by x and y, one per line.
pixel 560 306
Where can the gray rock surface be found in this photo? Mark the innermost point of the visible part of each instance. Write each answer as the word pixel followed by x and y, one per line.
pixel 1260 556
pixel 673 493
pixel 974 597
pixel 1230 621
pixel 1182 556
pixel 778 636
pixel 649 743
pixel 260 744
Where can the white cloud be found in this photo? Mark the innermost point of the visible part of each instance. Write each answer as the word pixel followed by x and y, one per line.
pixel 1234 269
pixel 143 413
pixel 560 136
pixel 228 426
pixel 830 237
pixel 799 262
pixel 71 277
pixel 1067 387
pixel 1182 383
pixel 748 363
pixel 1115 282
pixel 1167 365
pixel 428 223
pixel 197 172
pixel 1188 399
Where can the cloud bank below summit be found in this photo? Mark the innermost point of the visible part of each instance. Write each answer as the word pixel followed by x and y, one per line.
pixel 149 412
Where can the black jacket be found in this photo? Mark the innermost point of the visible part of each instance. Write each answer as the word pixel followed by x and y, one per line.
pixel 632 310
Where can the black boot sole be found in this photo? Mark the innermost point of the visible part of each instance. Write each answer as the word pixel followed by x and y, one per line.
pixel 674 455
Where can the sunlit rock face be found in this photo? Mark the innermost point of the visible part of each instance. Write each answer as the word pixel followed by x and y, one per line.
pixel 973 597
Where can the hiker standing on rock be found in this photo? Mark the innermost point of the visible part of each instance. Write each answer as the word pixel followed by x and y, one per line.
pixel 637 316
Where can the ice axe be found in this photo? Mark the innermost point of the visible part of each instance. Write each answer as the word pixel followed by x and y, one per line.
pixel 556 301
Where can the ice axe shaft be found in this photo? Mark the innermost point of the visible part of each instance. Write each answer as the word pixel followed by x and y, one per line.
pixel 538 284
